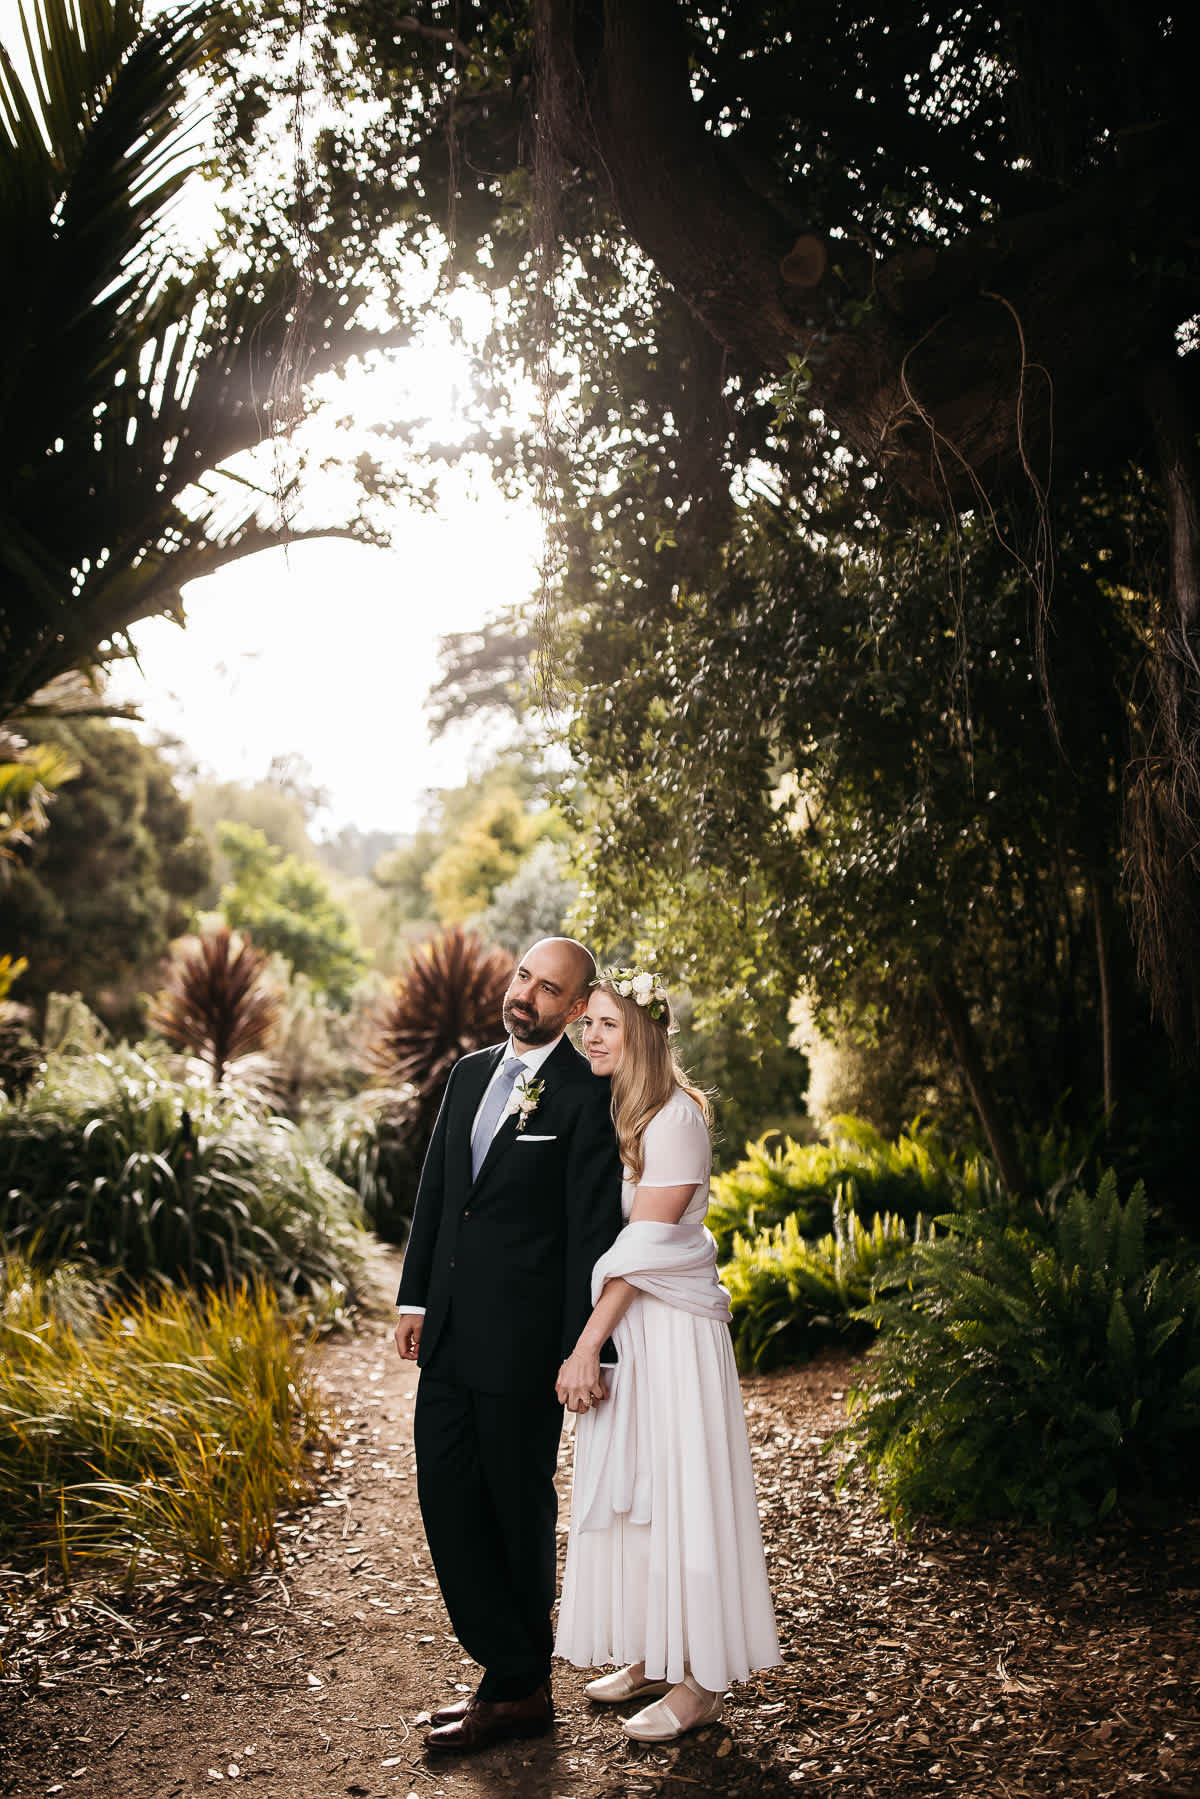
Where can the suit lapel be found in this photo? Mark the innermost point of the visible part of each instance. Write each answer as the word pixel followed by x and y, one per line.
pixel 551 1073
pixel 470 1094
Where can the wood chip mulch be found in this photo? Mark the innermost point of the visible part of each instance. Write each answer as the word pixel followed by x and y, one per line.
pixel 985 1664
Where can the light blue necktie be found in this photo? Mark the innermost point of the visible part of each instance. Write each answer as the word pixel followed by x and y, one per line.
pixel 491 1110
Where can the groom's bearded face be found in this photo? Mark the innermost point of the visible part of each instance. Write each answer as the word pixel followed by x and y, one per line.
pixel 543 997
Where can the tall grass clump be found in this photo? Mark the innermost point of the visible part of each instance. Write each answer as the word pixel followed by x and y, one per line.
pixel 364 1141
pixel 854 1166
pixel 163 1433
pixel 790 1294
pixel 1051 1380
pixel 106 1157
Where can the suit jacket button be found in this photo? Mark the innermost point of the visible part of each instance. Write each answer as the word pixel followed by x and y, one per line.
pixel 466 1214
pixel 451 1261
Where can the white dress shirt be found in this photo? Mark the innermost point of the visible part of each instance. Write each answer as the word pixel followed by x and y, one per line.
pixel 532 1060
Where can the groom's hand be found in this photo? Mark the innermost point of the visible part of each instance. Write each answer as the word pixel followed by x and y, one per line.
pixel 408 1334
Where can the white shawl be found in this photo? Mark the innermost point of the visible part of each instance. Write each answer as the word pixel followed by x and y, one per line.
pixel 673 1263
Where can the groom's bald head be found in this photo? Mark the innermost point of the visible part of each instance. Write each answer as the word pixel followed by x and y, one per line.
pixel 548 991
pixel 578 963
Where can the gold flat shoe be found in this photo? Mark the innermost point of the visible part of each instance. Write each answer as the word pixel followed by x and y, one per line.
pixel 611 1689
pixel 658 1723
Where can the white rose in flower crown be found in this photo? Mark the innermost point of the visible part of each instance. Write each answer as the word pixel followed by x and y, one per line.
pixel 625 988
pixel 643 987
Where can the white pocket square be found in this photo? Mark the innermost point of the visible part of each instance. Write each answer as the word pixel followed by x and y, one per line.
pixel 526 1137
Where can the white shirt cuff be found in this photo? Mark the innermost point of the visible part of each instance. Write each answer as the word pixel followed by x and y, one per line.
pixel 411 1311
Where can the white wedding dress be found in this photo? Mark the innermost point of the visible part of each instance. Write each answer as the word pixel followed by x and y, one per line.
pixel 664 1557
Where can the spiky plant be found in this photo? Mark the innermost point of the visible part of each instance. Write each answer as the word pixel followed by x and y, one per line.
pixel 444 1004
pixel 217 1003
pixel 129 383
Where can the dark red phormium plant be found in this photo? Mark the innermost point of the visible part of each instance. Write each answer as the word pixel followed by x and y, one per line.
pixel 216 1002
pixel 444 1004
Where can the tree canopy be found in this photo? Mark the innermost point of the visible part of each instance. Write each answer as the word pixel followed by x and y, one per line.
pixel 749 248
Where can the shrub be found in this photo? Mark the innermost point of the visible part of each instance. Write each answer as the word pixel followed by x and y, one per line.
pixel 1046 1380
pixel 164 1433
pixel 106 1157
pixel 216 1003
pixel 445 1004
pixel 912 1176
pixel 789 1296
pixel 363 1142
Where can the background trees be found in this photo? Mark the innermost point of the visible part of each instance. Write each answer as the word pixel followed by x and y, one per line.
pixel 95 900
pixel 873 578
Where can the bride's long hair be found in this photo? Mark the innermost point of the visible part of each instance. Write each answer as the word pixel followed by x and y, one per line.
pixel 645 1077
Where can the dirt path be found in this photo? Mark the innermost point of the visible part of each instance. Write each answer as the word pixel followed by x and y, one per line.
pixel 980 1665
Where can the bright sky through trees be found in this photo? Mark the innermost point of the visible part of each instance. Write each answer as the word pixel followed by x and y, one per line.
pixel 327 651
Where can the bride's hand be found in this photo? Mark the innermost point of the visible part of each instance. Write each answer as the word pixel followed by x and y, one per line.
pixel 580 1384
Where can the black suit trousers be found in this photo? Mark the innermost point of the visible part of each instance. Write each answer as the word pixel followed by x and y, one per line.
pixel 485 1479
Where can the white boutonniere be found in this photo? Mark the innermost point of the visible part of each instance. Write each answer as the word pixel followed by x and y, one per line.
pixel 524 1102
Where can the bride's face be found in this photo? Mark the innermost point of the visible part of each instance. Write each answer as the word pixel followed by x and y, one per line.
pixel 603 1033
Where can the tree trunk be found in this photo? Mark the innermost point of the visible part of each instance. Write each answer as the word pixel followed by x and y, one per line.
pixel 1102 918
pixel 969 1055
pixel 1163 798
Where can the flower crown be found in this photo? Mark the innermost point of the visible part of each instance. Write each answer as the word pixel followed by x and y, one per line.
pixel 639 985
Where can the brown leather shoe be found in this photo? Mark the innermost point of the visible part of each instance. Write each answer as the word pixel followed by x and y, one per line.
pixel 487 1721
pixel 447 1714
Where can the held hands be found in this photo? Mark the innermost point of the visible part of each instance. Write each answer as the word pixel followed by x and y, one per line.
pixel 408 1334
pixel 580 1384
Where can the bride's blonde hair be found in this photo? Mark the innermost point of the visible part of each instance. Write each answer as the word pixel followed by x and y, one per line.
pixel 646 1076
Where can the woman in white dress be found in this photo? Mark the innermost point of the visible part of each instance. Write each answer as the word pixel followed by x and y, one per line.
pixel 665 1570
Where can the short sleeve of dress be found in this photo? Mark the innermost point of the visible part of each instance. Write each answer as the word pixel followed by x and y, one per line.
pixel 677 1146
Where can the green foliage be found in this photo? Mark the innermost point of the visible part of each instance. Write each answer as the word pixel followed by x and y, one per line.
pixel 533 902
pixel 134 379
pixel 155 1433
pixel 367 1141
pixel 856 1168
pixel 790 1294
pixel 1048 1379
pixel 98 897
pixel 758 1082
pixel 286 906
pixel 484 849
pixel 107 1157
pixel 29 778
pixel 265 806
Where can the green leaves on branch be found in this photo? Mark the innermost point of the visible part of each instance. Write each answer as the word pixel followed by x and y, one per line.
pixel 1048 1381
pixel 131 380
pixel 856 1168
pixel 791 1294
pixel 286 905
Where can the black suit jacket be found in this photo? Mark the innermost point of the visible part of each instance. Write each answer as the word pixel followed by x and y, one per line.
pixel 512 1252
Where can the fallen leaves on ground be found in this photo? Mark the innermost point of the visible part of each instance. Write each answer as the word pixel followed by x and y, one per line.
pixel 987 1664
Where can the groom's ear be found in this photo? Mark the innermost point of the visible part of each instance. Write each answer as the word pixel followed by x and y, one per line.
pixel 578 1007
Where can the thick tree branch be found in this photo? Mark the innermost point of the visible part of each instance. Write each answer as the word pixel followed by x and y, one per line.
pixel 942 386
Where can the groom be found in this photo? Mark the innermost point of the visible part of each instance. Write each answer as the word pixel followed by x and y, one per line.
pixel 519 1197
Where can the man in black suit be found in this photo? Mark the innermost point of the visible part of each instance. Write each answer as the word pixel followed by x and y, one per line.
pixel 518 1198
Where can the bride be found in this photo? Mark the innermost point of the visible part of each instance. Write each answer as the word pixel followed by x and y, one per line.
pixel 665 1570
